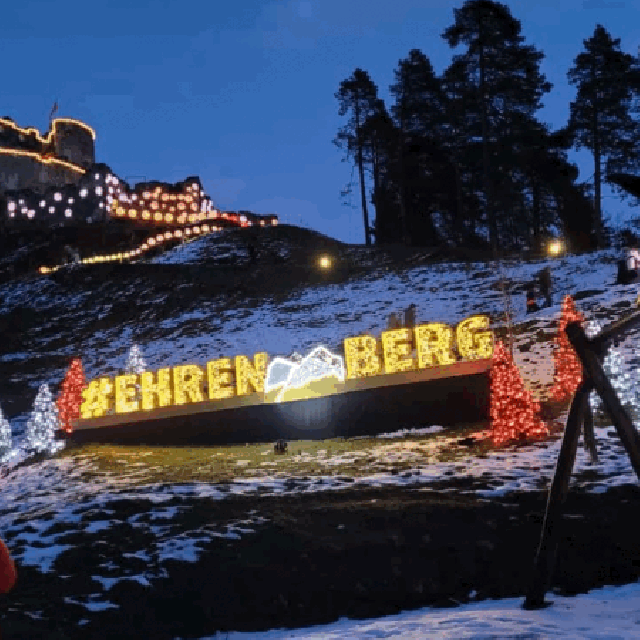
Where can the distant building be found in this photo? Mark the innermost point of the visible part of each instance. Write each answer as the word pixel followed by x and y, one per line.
pixel 54 180
pixel 86 200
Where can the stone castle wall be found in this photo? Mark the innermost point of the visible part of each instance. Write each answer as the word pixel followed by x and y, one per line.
pixel 28 159
pixel 19 172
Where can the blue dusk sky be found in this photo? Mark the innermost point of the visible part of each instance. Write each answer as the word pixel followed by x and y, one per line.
pixel 242 93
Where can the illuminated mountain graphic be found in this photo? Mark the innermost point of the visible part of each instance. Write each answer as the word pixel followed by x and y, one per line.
pixel 308 377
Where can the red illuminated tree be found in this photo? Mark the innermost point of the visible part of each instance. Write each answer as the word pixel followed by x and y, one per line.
pixel 515 415
pixel 70 397
pixel 566 364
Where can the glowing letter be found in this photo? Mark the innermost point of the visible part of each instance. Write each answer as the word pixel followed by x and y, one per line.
pixel 434 342
pixel 220 379
pixel 152 391
pixel 250 373
pixel 187 384
pixel 361 356
pixel 474 344
pixel 96 398
pixel 126 393
pixel 396 346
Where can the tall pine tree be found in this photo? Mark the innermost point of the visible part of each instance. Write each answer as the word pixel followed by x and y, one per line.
pixel 600 117
pixel 358 97
pixel 502 77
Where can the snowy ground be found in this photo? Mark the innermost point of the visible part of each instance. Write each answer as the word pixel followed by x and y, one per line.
pixel 611 613
pixel 43 505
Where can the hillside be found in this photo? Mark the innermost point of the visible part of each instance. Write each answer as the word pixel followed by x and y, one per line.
pixel 176 542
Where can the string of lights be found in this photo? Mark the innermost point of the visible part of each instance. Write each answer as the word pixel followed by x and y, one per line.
pixel 151 243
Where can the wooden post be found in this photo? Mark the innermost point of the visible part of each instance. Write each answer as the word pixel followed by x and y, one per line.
pixel 588 432
pixel 621 420
pixel 546 555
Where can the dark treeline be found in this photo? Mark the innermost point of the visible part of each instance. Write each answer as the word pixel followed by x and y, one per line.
pixel 462 160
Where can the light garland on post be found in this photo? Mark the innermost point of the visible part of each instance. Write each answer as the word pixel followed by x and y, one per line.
pixel 567 366
pixel 70 397
pixel 515 415
pixel 42 424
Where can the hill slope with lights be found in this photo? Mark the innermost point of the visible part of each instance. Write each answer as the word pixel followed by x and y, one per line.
pixel 137 529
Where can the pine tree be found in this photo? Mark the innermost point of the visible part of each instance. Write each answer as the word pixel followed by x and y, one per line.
pixel 135 361
pixel 600 117
pixel 502 77
pixel 515 415
pixel 418 111
pixel 5 437
pixel 357 96
pixel 42 424
pixel 70 397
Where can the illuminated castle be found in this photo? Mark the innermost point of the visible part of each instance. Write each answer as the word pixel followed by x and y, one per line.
pixel 54 180
pixel 162 204
pixel 29 160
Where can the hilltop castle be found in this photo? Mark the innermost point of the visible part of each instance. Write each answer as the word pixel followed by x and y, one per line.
pixel 53 180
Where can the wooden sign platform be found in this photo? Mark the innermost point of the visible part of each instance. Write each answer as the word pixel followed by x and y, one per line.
pixel 441 395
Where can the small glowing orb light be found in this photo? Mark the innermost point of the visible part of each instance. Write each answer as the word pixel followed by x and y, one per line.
pixel 324 262
pixel 555 247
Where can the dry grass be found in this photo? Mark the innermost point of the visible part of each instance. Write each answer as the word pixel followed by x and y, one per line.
pixel 143 465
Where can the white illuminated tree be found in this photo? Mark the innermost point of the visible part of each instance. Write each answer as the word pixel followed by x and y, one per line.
pixel 5 437
pixel 624 384
pixel 135 361
pixel 42 424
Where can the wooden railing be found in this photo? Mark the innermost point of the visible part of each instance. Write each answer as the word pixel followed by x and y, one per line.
pixel 591 352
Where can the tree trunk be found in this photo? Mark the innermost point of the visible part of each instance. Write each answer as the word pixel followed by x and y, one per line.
pixel 597 195
pixel 363 194
pixel 402 189
pixel 376 190
pixel 493 231
pixel 537 224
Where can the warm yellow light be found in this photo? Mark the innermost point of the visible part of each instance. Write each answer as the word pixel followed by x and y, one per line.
pixel 434 343
pixel 43 159
pixel 96 398
pixel 220 379
pixel 47 139
pixel 555 247
pixel 324 262
pixel 397 347
pixel 126 392
pixel 474 338
pixel 155 393
pixel 187 384
pixel 361 356
pixel 250 374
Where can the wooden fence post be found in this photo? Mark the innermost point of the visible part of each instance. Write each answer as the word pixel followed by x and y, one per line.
pixel 621 420
pixel 546 555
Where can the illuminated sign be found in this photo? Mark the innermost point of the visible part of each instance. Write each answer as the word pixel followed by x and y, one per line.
pixel 284 379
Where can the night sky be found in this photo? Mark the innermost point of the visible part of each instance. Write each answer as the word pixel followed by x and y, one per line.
pixel 242 93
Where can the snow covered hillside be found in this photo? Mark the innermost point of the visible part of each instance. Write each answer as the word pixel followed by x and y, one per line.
pixel 54 512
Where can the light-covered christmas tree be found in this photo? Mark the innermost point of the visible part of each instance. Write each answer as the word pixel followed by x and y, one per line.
pixel 567 374
pixel 617 371
pixel 70 397
pixel 5 437
pixel 135 361
pixel 515 415
pixel 42 424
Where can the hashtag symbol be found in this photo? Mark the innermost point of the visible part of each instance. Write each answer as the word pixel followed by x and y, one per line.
pixel 96 398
